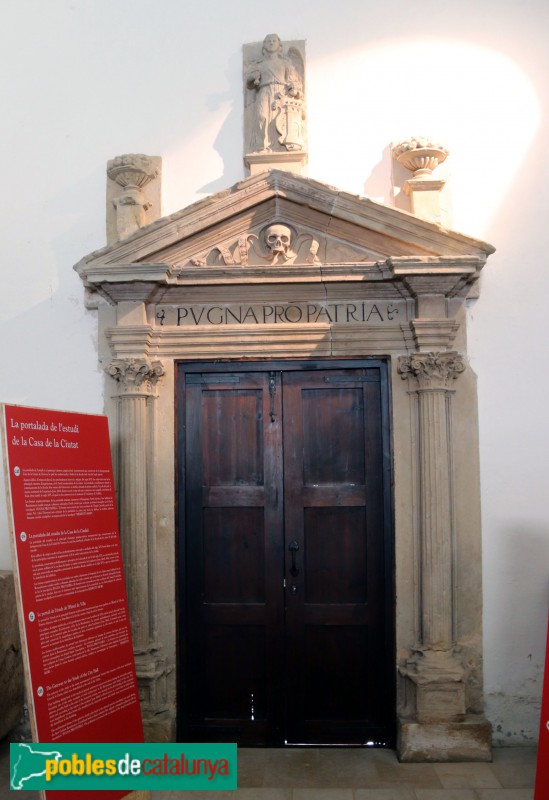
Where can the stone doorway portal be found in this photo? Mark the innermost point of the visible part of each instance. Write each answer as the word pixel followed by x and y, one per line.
pixel 357 280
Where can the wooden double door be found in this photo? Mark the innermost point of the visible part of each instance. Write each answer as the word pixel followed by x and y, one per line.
pixel 285 559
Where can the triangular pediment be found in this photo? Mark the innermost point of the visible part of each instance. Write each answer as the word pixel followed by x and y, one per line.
pixel 276 222
pixel 347 227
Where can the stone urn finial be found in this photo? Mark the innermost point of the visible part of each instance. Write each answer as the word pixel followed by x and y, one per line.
pixel 132 172
pixel 420 155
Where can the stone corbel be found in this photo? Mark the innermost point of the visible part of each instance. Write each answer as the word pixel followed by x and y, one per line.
pixel 433 333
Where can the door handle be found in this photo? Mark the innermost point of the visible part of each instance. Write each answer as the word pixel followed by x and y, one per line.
pixel 293 548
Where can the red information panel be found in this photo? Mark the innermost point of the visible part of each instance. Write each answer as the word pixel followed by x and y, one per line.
pixel 542 772
pixel 71 592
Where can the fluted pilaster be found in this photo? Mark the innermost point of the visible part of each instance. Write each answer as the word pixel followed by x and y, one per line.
pixel 435 670
pixel 136 379
pixel 436 523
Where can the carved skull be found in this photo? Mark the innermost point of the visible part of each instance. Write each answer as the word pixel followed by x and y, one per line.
pixel 278 238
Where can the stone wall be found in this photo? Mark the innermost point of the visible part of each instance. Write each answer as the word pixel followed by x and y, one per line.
pixel 11 662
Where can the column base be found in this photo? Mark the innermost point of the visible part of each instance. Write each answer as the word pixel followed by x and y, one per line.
pixel 159 727
pixel 435 687
pixel 469 740
pixel 152 683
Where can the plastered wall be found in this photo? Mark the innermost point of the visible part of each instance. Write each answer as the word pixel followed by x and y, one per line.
pixel 85 81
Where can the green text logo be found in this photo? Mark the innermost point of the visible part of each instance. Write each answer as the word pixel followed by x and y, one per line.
pixel 123 766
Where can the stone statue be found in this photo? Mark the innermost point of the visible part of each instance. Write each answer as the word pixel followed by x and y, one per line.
pixel 276 96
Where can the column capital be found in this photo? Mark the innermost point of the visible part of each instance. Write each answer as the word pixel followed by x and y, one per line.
pixel 432 370
pixel 135 375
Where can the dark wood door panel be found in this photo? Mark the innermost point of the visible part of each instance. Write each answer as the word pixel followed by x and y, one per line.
pixel 335 613
pixel 234 557
pixel 335 566
pixel 288 572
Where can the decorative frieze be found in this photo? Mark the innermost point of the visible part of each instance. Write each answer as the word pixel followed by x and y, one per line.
pixel 275 244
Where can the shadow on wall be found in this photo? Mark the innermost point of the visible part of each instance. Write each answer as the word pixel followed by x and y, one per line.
pixel 377 185
pixel 516 591
pixel 229 141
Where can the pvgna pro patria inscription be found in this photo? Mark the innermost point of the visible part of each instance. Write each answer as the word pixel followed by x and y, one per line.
pixel 336 312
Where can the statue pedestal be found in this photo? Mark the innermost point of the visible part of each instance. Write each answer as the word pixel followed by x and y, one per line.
pixel 290 161
pixel 424 194
pixel 435 687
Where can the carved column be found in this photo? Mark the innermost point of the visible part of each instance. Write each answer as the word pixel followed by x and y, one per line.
pixel 435 672
pixel 137 379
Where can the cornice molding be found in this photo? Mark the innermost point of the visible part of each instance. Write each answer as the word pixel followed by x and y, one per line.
pixel 405 277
